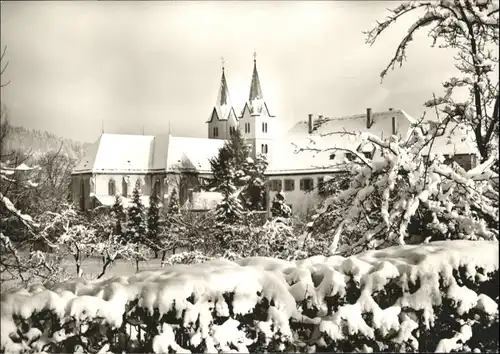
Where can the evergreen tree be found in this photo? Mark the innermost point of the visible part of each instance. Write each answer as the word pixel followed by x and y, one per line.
pixel 171 232
pixel 153 221
pixel 173 204
pixel 136 226
pixel 234 166
pixel 118 213
pixel 279 208
pixel 229 210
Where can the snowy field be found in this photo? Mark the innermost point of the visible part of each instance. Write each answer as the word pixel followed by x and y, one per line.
pixel 441 296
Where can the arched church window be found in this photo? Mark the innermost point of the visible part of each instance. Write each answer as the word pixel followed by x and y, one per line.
pixel 125 183
pixel 156 187
pixel 112 187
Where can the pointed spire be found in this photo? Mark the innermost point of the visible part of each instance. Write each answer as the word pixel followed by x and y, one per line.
pixel 223 97
pixel 255 90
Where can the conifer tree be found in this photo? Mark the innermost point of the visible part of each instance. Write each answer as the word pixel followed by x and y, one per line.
pixel 153 221
pixel 279 208
pixel 234 166
pixel 136 226
pixel 229 210
pixel 173 204
pixel 118 213
pixel 171 232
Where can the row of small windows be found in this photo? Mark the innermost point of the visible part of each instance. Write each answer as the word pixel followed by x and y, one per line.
pixel 125 187
pixel 305 184
pixel 232 130
pixel 264 148
pixel 351 156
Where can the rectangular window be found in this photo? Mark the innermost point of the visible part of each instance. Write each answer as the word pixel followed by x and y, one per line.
pixel 265 124
pixel 289 185
pixel 216 131
pixel 249 127
pixel 306 184
pixel 275 185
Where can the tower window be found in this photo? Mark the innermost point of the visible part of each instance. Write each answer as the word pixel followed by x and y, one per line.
pixel 264 127
pixel 263 148
pixel 216 131
pixel 247 127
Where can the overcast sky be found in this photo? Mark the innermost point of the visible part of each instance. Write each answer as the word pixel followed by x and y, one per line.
pixel 75 65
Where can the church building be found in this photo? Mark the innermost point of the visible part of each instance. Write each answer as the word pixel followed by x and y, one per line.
pixel 162 163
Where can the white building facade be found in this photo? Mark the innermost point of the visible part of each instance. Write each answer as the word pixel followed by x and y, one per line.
pixel 163 163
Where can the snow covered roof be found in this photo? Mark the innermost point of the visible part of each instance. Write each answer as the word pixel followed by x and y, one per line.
pixel 455 140
pixel 192 153
pixel 331 133
pixel 119 153
pixel 146 153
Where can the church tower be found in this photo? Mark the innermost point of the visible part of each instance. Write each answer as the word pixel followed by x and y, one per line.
pixel 256 122
pixel 223 120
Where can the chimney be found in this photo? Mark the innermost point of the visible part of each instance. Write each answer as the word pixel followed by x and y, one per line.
pixel 394 126
pixel 368 117
pixel 310 124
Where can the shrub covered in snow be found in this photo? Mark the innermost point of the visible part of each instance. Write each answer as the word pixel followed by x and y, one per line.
pixel 441 296
pixel 279 208
pixel 402 196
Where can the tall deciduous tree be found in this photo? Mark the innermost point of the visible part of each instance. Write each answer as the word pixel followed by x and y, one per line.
pixel 471 28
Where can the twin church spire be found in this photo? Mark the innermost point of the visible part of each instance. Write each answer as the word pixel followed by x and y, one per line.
pixel 223 105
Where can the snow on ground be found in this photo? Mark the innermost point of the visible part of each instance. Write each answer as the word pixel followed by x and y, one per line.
pixel 198 294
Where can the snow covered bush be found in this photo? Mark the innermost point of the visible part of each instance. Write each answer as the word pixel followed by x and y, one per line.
pixel 189 257
pixel 402 196
pixel 441 296
pixel 279 207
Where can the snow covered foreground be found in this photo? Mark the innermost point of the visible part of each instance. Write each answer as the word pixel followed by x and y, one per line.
pixel 394 299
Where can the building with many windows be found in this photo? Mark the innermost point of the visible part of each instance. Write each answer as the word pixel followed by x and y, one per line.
pixel 162 163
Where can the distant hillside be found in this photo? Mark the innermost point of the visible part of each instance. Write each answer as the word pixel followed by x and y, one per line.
pixel 40 142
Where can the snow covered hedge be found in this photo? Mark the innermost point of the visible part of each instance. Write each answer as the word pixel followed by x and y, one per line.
pixel 438 296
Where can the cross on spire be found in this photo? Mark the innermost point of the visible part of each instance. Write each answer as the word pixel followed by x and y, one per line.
pixel 254 56
pixel 223 62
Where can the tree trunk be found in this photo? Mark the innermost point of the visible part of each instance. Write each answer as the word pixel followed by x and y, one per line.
pixel 163 256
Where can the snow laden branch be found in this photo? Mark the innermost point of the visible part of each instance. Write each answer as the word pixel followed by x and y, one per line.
pixel 471 29
pixel 402 196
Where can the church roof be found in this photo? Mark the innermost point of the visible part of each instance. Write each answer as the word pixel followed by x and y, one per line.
pixel 255 89
pixel 223 108
pixel 123 153
pixel 191 153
